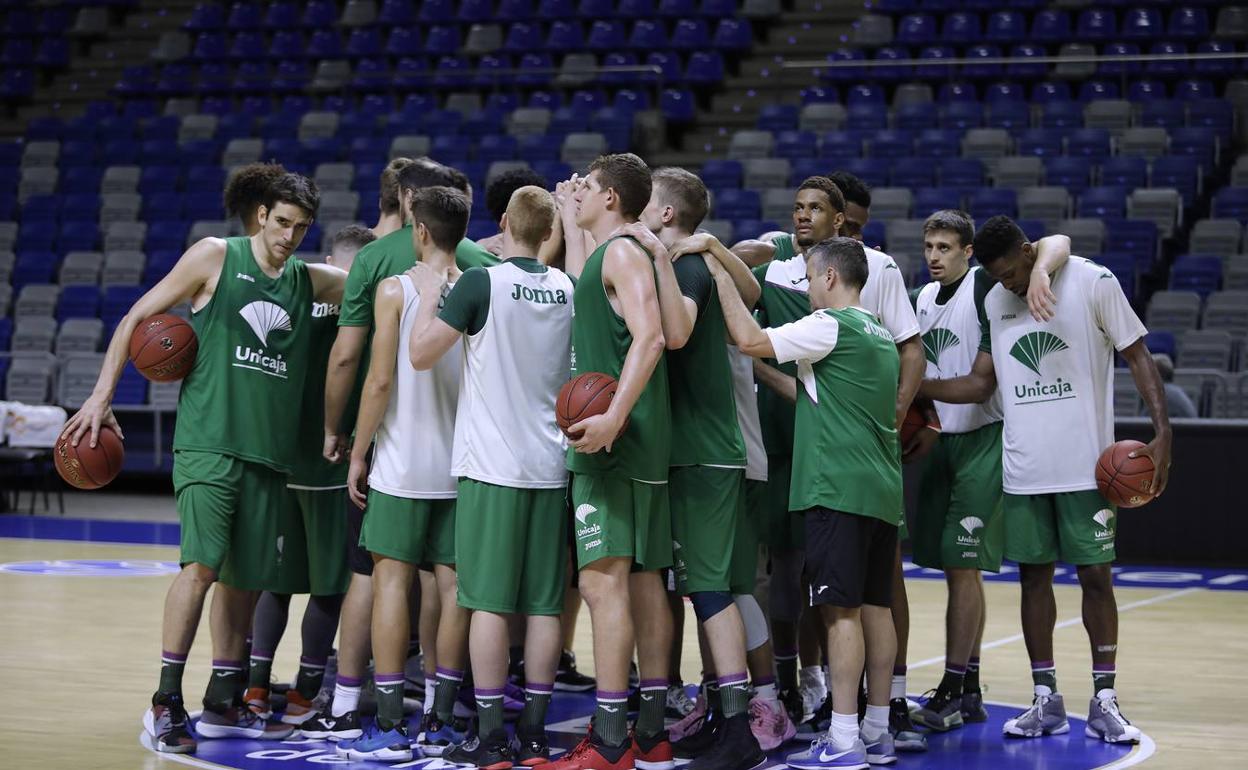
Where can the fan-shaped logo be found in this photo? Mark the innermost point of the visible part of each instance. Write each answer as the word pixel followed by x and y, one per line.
pixel 264 317
pixel 583 510
pixel 1103 516
pixel 1031 349
pixel 971 523
pixel 937 341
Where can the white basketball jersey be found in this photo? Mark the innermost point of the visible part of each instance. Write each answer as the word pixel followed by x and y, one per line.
pixel 743 390
pixel 505 433
pixel 951 334
pixel 412 454
pixel 1056 378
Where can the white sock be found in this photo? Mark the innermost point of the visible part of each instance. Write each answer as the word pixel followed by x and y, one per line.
pixel 345 699
pixel 844 729
pixel 876 722
pixel 431 685
pixel 766 692
pixel 898 689
pixel 1106 693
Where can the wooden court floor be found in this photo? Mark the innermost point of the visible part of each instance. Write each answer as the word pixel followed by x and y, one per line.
pixel 78 661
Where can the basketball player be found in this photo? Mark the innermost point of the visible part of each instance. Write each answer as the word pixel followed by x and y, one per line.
pixel 410 515
pixel 390 215
pixel 314 552
pixel 847 372
pixel 619 496
pixel 1056 382
pixel 231 449
pixel 245 192
pixel 498 196
pixel 515 320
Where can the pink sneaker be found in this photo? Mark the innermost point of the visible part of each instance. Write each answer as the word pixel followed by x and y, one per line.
pixel 692 721
pixel 770 723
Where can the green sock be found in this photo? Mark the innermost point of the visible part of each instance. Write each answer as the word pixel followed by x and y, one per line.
pixel 223 685
pixel 971 682
pixel 611 717
pixel 734 694
pixel 1103 676
pixel 449 681
pixel 172 665
pixel 261 671
pixel 653 704
pixel 536 701
pixel 1044 674
pixel 389 699
pixel 489 710
pixel 311 677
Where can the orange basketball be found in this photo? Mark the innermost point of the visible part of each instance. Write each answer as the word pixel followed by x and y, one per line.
pixel 163 348
pixel 1127 482
pixel 912 424
pixel 585 395
pixel 87 468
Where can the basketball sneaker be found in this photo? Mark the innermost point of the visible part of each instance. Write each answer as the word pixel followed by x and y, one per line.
pixel 940 712
pixel 568 679
pixel 240 722
pixel 592 754
pixel 653 753
pixel 257 699
pixel 820 720
pixel 826 754
pixel 814 691
pixel 492 753
pixel 1105 720
pixel 327 727
pixel 882 750
pixel 792 700
pixel 973 708
pixel 1047 716
pixel 679 704
pixel 437 737
pixel 168 725
pixel 299 709
pixel 770 723
pixel 700 741
pixel 391 745
pixel 692 722
pixel 735 748
pixel 532 747
pixel 906 737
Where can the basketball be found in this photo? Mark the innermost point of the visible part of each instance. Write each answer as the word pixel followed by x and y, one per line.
pixel 163 348
pixel 914 422
pixel 585 395
pixel 1127 482
pixel 87 468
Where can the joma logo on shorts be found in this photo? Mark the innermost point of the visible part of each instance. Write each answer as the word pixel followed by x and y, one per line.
pixel 592 544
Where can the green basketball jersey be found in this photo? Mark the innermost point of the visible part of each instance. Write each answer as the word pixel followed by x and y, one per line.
pixel 312 470
pixel 241 398
pixel 784 300
pixel 845 453
pixel 600 341
pixel 784 248
pixel 704 410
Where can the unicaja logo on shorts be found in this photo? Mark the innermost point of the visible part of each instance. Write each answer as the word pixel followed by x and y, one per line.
pixel 937 341
pixel 584 530
pixel 1103 517
pixel 970 524
pixel 263 318
pixel 1030 350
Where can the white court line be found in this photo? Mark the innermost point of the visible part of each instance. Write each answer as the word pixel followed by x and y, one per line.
pixel 1066 623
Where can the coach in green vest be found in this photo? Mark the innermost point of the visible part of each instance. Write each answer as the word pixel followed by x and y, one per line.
pixel 846 482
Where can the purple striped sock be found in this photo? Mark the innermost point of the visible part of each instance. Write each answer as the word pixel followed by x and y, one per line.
pixel 450 673
pixel 488 692
pixel 1042 665
pixel 954 668
pixel 307 662
pixel 611 696
pixel 1105 668
pixel 171 657
pixel 732 680
pixel 349 681
pixel 539 688
pixel 972 664
pixel 228 664
pixel 899 670
pixel 262 655
pixel 653 684
pixel 396 678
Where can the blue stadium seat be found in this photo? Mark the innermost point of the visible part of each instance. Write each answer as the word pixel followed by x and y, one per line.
pixel 1163 113
pixel 1137 237
pixel 1195 141
pixel 1142 24
pixel 606 36
pixel 1006 27
pixel 1103 202
pixel 320 13
pixel 617 59
pixel 78 301
pixel 1144 90
pixel 1020 67
pixel 957 91
pixel 1196 272
pixel 406 41
pixel 873 171
pixel 1177 171
pixel 677 105
pixel 808 167
pixel 53 53
pixel 630 100
pixel 635 9
pixel 1214 114
pixel 1088 143
pixel 552 10
pixel 395 12
pixel 1051 26
pixel 1124 171
pixel 676 9
pixel 717 9
pixel 131 386
pixel 209 46
pixel 1049 91
pixel 1120 68
pixel 737 204
pixel 732 35
pixel 169 234
pixel 538 148
pixel 1073 173
pixel 690 35
pixel 1231 203
pixel 1041 142
pixel 1188 23
pixel 1124 269
pixel 443 40
pixel 78 236
pixel 547 100
pixel 721 174
pixel 1096 24
pixel 993 201
pixel 41 208
pixel 866 94
pixel 906 173
pixel 930 199
pixel 364 42
pixel 411 73
pixel 985 71
pixel 1004 92
pixel 705 68
pixel 916 29
pixel 1161 342
pixel 961 115
pixel 1092 90
pixel 244 16
pixel 935 71
pixel 915 116
pixel 475 11
pixel 1167 68
pixel 33 266
pixel 1194 89
pixel 840 145
pixel 778 117
pixel 647 36
pixel 281 15
pixel 845 74
pixel 6 335
pixel 205 16
pixel 891 144
pixel 962 174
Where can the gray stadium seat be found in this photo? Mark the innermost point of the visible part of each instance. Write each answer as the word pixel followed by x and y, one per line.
pixel 1235 273
pixel 33 334
pixel 1111 114
pixel 1160 205
pixel 198 127
pixel 318 125
pixel 330 75
pixel 8 235
pixel 80 335
pixel 1239 172
pixel 500 167
pixel 37 181
pixel 987 144
pixel 120 179
pixel 339 204
pixel 6 298
pixel 912 93
pixel 1232 23
pixel 37 299
pixel 207 228
pixel 31 377
pixel 872 31
pixel 750 144
pixel 91 21
pixel 761 9
pixel 81 267
pixel 1018 171
pixel 123 268
pixel 821 117
pixel 1230 402
pixel 409 146
pixel 181 106
pixel 483 39
pixel 464 102
pixel 904 236
pixel 889 203
pixel 1087 235
pixel 240 152
pixel 7 258
pixel 334 176
pixel 577 69
pixel 358 13
pixel 120 207
pixel 172 46
pixel 720 228
pixel 528 121
pixel 1196 383
pixel 1228 311
pixel 761 173
pixel 1048 204
pixel 41 154
pixel 1144 141
pixel 1075 70
pixel 582 148
pixel 1216 236
pixel 1126 395
pixel 1205 349
pixel 164 395
pixel 778 204
pixel 125 236
pixel 78 373
pixel 1175 311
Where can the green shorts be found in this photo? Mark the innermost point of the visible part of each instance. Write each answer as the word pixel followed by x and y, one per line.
pixel 1075 527
pixel 512 541
pixel 959 523
pixel 314 550
pixel 622 518
pixel 231 516
pixel 708 513
pixel 782 530
pixel 416 531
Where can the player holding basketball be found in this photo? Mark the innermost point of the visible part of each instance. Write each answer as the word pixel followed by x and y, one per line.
pixel 515 321
pixel 1056 382
pixel 410 515
pixel 620 496
pixel 232 447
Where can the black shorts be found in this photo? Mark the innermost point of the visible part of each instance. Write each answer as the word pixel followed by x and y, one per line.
pixel 358 559
pixel 849 559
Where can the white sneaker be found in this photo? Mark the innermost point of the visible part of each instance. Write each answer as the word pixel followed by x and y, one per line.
pixel 1047 716
pixel 813 689
pixel 679 704
pixel 1105 720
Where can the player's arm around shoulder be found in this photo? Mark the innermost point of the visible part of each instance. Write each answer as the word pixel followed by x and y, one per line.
pixel 749 338
pixel 464 311
pixel 193 278
pixel 328 283
pixel 757 251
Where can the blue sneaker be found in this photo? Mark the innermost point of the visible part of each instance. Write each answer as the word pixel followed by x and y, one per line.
pixel 881 751
pixel 824 754
pixel 437 737
pixel 392 745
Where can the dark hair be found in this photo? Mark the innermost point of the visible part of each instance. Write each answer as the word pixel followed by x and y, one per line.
pixel 295 189
pixel 456 179
pixel 953 221
pixel 854 189
pixel 498 192
pixel 422 172
pixel 444 213
pixel 996 238
pixel 389 185
pixel 629 176
pixel 247 188
pixel 828 187
pixel 685 192
pixel 845 255
pixel 358 236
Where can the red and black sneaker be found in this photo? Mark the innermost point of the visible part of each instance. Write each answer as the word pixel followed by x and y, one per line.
pixel 592 754
pixel 653 753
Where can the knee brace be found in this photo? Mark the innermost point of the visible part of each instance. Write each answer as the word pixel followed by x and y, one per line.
pixel 708 604
pixel 756 633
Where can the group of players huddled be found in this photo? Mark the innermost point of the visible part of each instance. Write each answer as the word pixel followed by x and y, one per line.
pixel 751 449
